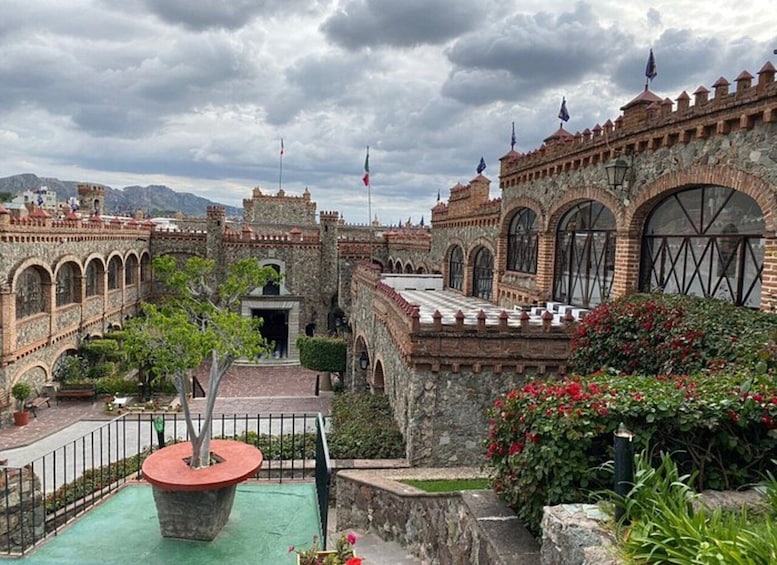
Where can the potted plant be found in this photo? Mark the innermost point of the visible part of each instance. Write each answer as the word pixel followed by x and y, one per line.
pixel 21 391
pixel 342 554
pixel 196 319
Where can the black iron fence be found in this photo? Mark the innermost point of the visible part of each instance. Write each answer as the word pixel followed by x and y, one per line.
pixel 40 495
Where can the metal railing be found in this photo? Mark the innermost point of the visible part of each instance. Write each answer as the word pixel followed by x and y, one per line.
pixel 323 476
pixel 40 494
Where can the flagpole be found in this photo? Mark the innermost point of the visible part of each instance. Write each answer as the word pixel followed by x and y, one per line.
pixel 369 202
pixel 280 173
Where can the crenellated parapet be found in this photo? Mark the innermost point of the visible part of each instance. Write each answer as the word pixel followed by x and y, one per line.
pixel 279 208
pixel 504 341
pixel 469 203
pixel 648 123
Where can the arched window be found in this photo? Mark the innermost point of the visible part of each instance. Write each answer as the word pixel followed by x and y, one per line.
pixel 585 255
pixel 408 269
pixel 114 266
pixel 66 285
pixel 705 241
pixel 94 278
pixel 483 274
pixel 456 269
pixel 145 268
pixel 272 288
pixel 130 270
pixel 522 242
pixel 29 293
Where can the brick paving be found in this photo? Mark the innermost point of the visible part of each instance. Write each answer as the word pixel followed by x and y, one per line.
pixel 255 389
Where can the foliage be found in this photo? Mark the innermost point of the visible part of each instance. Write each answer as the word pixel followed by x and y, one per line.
pixel 451 485
pixel 283 447
pixel 322 353
pixel 547 441
pixel 94 480
pixel 115 385
pixel 198 316
pixel 673 334
pixel 342 554
pixel 363 427
pixel 21 391
pixel 669 525
pixel 71 368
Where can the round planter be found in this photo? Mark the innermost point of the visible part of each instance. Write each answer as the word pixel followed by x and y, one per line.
pixel 195 504
pixel 21 418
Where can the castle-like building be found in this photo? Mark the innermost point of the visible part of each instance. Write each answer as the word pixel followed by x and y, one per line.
pixel 670 196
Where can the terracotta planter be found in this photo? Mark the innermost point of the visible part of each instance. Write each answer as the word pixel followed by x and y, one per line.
pixel 195 504
pixel 21 418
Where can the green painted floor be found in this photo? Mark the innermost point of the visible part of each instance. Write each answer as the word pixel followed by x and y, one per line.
pixel 266 519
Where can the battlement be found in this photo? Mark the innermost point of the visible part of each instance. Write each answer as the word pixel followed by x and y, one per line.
pixel 468 201
pixel 647 123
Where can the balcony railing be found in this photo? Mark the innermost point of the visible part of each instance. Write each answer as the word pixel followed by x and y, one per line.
pixel 38 497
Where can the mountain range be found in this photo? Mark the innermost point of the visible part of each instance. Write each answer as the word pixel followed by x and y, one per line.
pixel 155 200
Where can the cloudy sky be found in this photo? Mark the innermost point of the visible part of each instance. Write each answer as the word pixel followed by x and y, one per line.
pixel 197 94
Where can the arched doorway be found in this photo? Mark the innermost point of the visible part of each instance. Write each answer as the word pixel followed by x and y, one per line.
pixel 456 268
pixel 483 274
pixel 378 386
pixel 705 241
pixel 585 255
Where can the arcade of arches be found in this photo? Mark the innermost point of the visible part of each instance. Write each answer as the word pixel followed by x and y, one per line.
pixel 703 240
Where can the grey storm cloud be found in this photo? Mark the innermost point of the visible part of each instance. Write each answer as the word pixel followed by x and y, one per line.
pixel 398 23
pixel 531 53
pixel 684 59
pixel 205 14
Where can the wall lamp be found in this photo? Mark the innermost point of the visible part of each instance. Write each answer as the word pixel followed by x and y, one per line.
pixel 364 361
pixel 616 170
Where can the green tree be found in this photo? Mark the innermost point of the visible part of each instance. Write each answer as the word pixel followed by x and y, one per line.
pixel 199 316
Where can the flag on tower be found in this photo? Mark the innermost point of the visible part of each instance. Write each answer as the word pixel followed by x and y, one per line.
pixel 563 114
pixel 481 165
pixel 281 147
pixel 366 177
pixel 650 69
pixel 512 139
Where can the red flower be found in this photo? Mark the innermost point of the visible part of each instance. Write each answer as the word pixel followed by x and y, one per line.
pixel 516 448
pixel 354 561
pixel 351 539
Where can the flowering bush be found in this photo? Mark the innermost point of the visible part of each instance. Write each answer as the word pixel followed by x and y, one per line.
pixel 342 554
pixel 672 334
pixel 548 440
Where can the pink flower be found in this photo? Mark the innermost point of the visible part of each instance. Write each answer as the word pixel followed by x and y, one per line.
pixel 351 539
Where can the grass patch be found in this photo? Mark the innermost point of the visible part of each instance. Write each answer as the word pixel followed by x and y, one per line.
pixel 448 485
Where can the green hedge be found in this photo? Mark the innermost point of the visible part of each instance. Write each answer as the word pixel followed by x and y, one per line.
pixel 363 427
pixel 322 353
pixel 547 441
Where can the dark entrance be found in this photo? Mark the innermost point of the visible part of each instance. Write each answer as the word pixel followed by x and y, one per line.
pixel 275 329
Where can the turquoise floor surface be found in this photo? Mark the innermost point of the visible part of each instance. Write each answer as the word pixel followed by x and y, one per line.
pixel 266 519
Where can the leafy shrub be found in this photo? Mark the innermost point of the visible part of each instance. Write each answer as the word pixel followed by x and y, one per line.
pixel 94 480
pixel 71 368
pixel 363 427
pixel 113 385
pixel 283 447
pixel 322 353
pixel 100 370
pixel 672 334
pixel 547 441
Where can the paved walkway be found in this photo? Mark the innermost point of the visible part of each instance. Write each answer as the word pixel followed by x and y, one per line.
pixel 245 390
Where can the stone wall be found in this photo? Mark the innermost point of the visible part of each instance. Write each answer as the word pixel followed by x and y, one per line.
pixel 22 501
pixel 440 380
pixel 466 528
